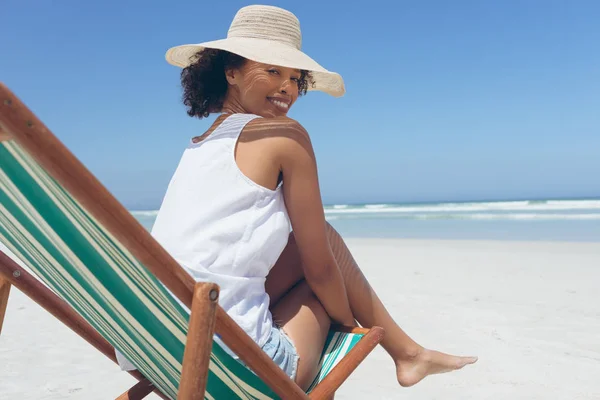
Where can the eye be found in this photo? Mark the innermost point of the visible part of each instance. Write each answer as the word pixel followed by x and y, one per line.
pixel 273 71
pixel 297 80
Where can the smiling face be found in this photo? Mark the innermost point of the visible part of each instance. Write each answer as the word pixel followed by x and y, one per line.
pixel 261 89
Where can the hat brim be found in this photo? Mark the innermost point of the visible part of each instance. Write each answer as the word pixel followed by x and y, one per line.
pixel 266 52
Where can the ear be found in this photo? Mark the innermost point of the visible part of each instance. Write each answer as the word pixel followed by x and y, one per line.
pixel 232 75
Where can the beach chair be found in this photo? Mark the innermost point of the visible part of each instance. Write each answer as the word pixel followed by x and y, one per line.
pixel 102 274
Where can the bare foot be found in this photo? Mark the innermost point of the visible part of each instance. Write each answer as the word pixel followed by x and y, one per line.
pixel 428 362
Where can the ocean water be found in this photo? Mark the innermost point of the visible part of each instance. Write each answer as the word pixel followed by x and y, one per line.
pixel 549 220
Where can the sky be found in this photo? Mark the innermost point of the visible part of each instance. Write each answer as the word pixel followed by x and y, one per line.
pixel 446 101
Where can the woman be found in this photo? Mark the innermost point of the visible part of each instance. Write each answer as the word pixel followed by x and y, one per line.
pixel 250 180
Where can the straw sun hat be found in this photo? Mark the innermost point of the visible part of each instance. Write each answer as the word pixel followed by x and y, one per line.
pixel 269 35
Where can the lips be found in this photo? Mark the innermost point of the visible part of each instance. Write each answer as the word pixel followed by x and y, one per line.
pixel 281 103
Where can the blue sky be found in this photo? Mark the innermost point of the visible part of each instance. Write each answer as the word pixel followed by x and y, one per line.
pixel 460 100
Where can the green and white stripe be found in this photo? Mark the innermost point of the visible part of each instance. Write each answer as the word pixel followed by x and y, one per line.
pixel 86 266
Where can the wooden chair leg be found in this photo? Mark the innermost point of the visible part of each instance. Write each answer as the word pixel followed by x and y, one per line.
pixel 138 391
pixel 4 291
pixel 43 296
pixel 196 356
pixel 327 387
pixel 12 273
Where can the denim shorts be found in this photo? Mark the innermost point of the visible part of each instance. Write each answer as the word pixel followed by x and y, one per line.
pixel 282 351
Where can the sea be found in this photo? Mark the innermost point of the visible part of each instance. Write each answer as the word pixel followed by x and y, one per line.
pixel 521 220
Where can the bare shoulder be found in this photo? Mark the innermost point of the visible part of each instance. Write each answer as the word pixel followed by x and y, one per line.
pixel 283 128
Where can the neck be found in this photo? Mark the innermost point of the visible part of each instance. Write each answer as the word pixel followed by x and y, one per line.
pixel 232 105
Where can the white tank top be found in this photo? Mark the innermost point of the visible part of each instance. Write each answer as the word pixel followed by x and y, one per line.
pixel 223 227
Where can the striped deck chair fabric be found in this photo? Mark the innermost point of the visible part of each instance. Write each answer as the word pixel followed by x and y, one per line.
pixel 87 267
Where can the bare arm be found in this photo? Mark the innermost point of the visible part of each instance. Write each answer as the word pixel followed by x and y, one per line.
pixel 305 208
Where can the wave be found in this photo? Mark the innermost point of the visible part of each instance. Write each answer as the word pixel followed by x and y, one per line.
pixel 546 205
pixel 575 203
pixel 376 206
pixel 498 210
pixel 521 216
pixel 477 216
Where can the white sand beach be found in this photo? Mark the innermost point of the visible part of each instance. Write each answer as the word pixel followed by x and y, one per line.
pixel 529 310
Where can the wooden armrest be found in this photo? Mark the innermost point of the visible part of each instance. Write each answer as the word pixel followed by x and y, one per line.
pixel 255 358
pixel 348 364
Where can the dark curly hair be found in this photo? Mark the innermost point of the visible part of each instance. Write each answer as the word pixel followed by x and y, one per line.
pixel 205 86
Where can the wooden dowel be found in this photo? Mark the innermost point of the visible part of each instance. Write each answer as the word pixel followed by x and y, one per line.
pixel 43 296
pixel 138 391
pixel 4 291
pixel 50 302
pixel 198 346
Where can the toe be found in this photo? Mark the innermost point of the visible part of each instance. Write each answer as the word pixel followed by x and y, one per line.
pixel 466 361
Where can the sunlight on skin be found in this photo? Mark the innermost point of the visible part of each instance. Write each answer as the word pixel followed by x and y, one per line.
pixel 251 89
pixel 254 85
pixel 413 362
pixel 255 88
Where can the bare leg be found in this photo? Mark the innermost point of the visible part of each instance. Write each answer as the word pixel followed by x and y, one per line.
pixel 412 361
pixel 306 322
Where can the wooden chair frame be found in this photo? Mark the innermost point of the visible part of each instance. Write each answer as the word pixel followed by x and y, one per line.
pixel 18 123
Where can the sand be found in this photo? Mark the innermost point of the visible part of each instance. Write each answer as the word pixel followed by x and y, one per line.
pixel 529 310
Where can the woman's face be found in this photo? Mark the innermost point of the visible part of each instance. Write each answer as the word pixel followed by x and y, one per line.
pixel 261 89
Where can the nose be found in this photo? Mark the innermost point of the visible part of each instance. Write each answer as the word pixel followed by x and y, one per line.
pixel 285 86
